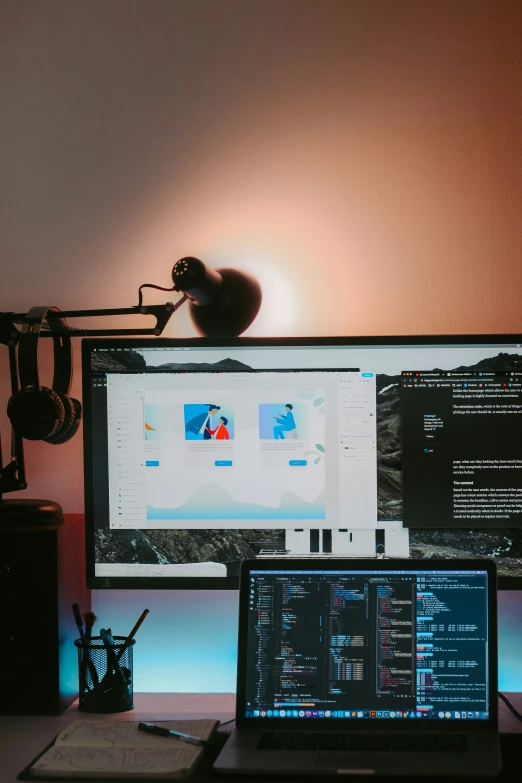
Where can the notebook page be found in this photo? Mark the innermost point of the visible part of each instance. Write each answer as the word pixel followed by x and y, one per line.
pixel 128 763
pixel 125 734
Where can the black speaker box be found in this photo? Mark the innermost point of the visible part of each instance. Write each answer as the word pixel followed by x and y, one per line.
pixel 42 573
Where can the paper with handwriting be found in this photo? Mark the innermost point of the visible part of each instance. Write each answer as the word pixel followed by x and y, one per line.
pixel 104 734
pixel 67 761
pixel 117 749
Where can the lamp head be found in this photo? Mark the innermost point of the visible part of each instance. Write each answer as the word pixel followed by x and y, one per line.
pixel 222 302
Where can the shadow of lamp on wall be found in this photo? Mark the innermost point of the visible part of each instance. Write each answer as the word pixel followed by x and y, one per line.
pixel 222 303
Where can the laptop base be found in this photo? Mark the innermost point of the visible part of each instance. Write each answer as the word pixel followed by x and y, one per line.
pixel 240 756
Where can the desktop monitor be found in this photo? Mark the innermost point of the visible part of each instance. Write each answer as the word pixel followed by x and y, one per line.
pixel 201 453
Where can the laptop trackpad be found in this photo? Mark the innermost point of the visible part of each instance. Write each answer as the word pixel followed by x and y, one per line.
pixel 358 762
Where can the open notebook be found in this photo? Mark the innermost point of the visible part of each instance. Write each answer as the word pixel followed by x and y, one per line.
pixel 101 749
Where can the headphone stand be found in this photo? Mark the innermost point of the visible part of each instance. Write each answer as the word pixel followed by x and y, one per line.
pixel 29 513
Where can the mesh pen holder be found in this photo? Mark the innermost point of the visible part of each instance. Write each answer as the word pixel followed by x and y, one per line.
pixel 105 675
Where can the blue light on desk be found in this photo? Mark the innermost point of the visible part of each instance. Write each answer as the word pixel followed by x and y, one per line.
pixel 188 642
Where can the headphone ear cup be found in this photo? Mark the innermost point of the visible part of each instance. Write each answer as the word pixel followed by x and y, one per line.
pixel 76 409
pixel 71 422
pixel 36 414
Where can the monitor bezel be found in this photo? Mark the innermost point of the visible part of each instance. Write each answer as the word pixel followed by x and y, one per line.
pixel 368 565
pixel 232 582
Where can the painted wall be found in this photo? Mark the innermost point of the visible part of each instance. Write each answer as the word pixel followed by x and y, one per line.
pixel 363 158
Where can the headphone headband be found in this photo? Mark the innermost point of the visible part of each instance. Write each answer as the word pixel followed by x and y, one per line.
pixel 28 351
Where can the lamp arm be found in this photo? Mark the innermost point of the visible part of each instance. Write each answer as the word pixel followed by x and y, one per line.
pixel 162 313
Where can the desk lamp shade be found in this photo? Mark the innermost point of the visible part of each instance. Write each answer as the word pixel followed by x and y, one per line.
pixel 222 302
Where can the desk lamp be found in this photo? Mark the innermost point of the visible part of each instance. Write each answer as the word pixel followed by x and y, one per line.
pixel 222 303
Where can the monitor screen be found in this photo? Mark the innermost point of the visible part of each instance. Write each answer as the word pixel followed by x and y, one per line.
pixel 381 644
pixel 201 453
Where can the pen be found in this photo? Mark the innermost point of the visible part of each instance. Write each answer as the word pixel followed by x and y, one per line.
pixel 163 732
pixel 132 634
pixel 78 620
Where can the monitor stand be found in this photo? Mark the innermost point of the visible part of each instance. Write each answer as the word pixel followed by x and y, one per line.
pixel 391 541
pixel 30 513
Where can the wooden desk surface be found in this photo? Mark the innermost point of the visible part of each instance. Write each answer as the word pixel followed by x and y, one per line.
pixel 23 737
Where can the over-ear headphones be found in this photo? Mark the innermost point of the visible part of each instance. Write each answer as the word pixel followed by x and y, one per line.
pixel 37 412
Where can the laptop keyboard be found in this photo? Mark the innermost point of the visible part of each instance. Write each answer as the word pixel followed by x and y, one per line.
pixel 364 742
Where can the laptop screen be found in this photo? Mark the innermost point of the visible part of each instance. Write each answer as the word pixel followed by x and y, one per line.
pixel 323 644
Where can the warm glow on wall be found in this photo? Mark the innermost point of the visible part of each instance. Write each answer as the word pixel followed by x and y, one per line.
pixel 278 314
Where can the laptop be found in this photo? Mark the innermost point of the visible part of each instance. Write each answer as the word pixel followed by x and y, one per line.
pixel 366 667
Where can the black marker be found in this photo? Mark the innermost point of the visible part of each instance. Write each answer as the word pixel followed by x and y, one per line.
pixel 163 732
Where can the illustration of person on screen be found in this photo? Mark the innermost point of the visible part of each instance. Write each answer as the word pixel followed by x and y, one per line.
pixel 286 422
pixel 203 422
pixel 221 432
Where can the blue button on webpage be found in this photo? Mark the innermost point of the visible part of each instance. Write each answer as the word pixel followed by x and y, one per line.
pixel 152 463
pixel 297 462
pixel 223 463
